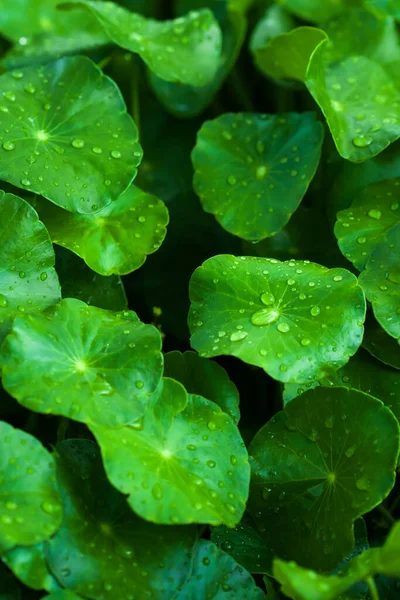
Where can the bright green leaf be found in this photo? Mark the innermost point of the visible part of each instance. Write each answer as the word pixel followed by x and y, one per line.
pixel 385 7
pixel 28 563
pixel 216 576
pixel 286 56
pixel 273 22
pixel 314 10
pixel 381 282
pixel 365 224
pixel 62 595
pixel 205 378
pixel 82 362
pixel 30 506
pixel 114 240
pixel 380 344
pixel 327 459
pixel 184 462
pixel 245 544
pixel 297 320
pixel 102 550
pixel 186 49
pixel 78 281
pixel 28 281
pixel 66 134
pixel 252 170
pixel 359 100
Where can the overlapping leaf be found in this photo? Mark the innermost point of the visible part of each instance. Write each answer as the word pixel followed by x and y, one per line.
pixel 29 564
pixel 314 10
pixel 328 458
pixel 297 320
pixel 28 281
pixel 252 170
pixel 65 134
pixel 380 344
pixel 30 505
pixel 184 462
pixel 83 362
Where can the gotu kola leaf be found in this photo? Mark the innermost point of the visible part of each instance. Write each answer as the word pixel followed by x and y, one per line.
pixel 114 240
pixel 314 10
pixel 66 134
pixel 363 226
pixel 82 362
pixel 205 378
pixel 30 505
pixel 184 462
pixel 102 550
pixel 29 564
pixel 186 49
pixel 317 466
pixel 297 320
pixel 380 344
pixel 28 281
pixel 252 170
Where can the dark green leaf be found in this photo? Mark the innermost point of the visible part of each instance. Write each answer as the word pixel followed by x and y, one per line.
pixel 314 10
pixel 29 564
pixel 380 344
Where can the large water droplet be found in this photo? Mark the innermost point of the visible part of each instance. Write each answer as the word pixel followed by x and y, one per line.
pixel 237 336
pixel 267 298
pixel 374 213
pixel 3 301
pixel 315 310
pixel 361 141
pixel 8 145
pixel 283 327
pixel 265 316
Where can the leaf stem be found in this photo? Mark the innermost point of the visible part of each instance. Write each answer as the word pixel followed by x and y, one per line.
pixel 241 90
pixel 62 429
pixel 373 590
pixel 384 511
pixel 135 97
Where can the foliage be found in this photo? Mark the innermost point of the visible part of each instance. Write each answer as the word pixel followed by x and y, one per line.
pixel 199 299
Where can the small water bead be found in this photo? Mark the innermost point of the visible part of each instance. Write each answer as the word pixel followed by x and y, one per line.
pixel 212 426
pixel 260 147
pixel 283 327
pixel 139 384
pixel 237 336
pixel 362 141
pixel 315 311
pixel 337 278
pixel 116 154
pixel 211 463
pixel 25 182
pixel 8 146
pixel 227 135
pixel 97 150
pixel 267 298
pixel 363 484
pixel 283 368
pixel 232 180
pixel 3 301
pixel 375 214
pixel 261 172
pixel 265 316
pixel 361 240
pixel 157 492
pixel 142 219
pixel 291 282
pixel 78 143
pixel 305 342
pixel 30 88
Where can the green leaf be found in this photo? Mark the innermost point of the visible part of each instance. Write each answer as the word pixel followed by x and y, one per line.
pixel 252 170
pixel 114 240
pixel 30 506
pixel 324 461
pixel 205 378
pixel 28 281
pixel 314 10
pixel 78 281
pixel 362 373
pixel 385 7
pixel 297 320
pixel 62 595
pixel 359 100
pixel 28 563
pixel 184 462
pixel 216 576
pixel 189 101
pixel 286 56
pixel 186 49
pixel 102 550
pixel 381 280
pixel 272 23
pixel 82 362
pixel 245 544
pixel 380 344
pixel 66 134
pixel 362 227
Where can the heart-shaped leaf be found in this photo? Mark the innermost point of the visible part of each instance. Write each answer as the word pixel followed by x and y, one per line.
pixel 30 506
pixel 363 226
pixel 114 240
pixel 327 459
pixel 380 344
pixel 359 100
pixel 102 550
pixel 184 462
pixel 252 170
pixel 28 281
pixel 297 320
pixel 82 362
pixel 78 281
pixel 381 282
pixel 205 378
pixel 66 134
pixel 286 56
pixel 186 49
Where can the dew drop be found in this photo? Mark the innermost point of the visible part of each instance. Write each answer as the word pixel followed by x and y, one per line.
pixel 361 240
pixel 116 154
pixel 315 310
pixel 237 336
pixel 97 150
pixel 3 301
pixel 78 143
pixel 362 141
pixel 8 146
pixel 374 214
pixel 232 180
pixel 265 316
pixel 157 492
pixel 283 327
pixel 267 298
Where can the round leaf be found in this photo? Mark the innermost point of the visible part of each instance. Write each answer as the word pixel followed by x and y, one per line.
pixel 216 576
pixel 314 10
pixel 186 49
pixel 381 282
pixel 286 56
pixel 62 595
pixel 28 563
pixel 297 320
pixel 327 459
pixel 28 281
pixel 30 506
pixel 117 238
pixel 365 224
pixel 205 378
pixel 381 345
pixel 82 362
pixel 102 550
pixel 252 170
pixel 185 462
pixel 359 100
pixel 66 134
